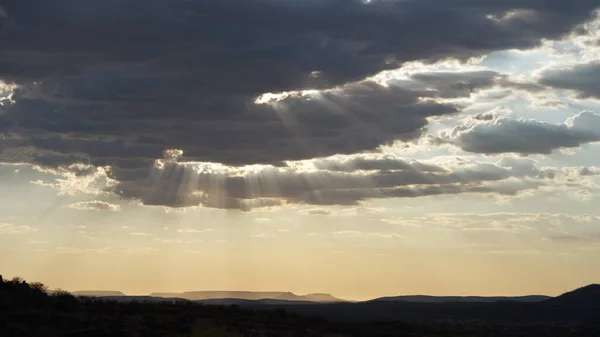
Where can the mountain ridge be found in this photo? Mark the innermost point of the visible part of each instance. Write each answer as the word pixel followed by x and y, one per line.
pixel 461 299
pixel 589 294
pixel 250 295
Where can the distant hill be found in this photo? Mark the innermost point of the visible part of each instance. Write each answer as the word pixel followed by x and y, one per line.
pixel 573 310
pixel 98 293
pixel 255 303
pixel 320 297
pixel 249 295
pixel 588 295
pixel 463 299
pixel 126 299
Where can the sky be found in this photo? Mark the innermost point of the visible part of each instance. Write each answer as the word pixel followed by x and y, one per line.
pixel 358 148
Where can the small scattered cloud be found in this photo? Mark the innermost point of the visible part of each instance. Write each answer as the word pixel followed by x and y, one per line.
pixel 192 230
pixel 126 250
pixel 263 235
pixel 95 205
pixel 10 229
pixel 359 234
pixel 68 250
pixel 317 211
pixel 402 222
pixel 141 234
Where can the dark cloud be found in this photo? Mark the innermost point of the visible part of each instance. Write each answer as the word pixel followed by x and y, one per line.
pixel 582 78
pixel 525 136
pixel 117 82
pixel 319 182
pixel 351 118
pixel 114 79
pixel 356 117
pixel 249 47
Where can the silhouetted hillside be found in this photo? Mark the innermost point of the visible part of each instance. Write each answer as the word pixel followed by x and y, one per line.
pixel 143 299
pixel 588 295
pixel 29 310
pixel 253 303
pixel 462 299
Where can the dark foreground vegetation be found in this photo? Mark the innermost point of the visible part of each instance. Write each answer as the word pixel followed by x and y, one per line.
pixel 28 309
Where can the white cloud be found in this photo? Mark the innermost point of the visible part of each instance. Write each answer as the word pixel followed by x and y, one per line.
pixel 95 205
pixel 10 229
pixel 402 222
pixel 140 234
pixel 357 234
pixel 263 235
pixel 191 230
pixel 523 136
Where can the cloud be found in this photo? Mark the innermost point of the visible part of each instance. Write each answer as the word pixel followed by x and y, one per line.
pixel 143 99
pixel 358 234
pixel 553 225
pixel 524 136
pixel 10 229
pixel 332 181
pixel 191 230
pixel 318 211
pixel 583 78
pixel 402 222
pixel 343 212
pixel 140 234
pixel 68 250
pixel 588 171
pixel 264 235
pixel 95 205
pixel 583 238
pixel 107 250
pixel 129 79
pixel 166 35
pixel 214 185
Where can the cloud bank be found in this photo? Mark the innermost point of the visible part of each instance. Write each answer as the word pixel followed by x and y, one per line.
pixel 122 83
pixel 525 136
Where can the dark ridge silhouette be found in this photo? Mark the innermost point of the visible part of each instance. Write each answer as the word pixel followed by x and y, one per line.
pixel 463 299
pixel 588 295
pixel 141 299
pixel 261 302
pixel 29 309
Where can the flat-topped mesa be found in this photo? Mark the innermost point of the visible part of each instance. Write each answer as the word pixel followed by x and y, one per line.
pixel 208 295
pixel 322 297
pixel 98 293
pixel 248 295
